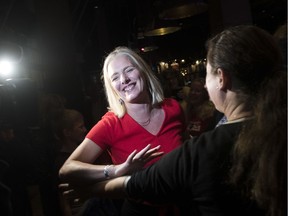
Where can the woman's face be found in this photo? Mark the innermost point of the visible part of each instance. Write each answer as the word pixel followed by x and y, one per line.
pixel 126 80
pixel 212 86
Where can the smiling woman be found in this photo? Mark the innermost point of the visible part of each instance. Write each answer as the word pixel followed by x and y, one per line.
pixel 127 81
pixel 139 118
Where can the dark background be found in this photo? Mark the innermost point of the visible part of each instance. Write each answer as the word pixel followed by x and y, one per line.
pixel 64 42
pixel 58 46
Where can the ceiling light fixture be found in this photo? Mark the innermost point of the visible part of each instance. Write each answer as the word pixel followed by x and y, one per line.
pixel 183 9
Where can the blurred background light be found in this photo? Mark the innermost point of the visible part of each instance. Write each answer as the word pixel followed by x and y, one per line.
pixel 6 68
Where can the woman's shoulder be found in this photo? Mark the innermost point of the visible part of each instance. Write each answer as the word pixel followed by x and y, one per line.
pixel 108 118
pixel 105 126
pixel 217 141
pixel 173 109
pixel 170 102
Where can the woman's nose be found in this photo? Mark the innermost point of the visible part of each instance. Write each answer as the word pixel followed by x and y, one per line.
pixel 124 78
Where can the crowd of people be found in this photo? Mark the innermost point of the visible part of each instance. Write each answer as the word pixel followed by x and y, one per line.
pixel 238 168
pixel 215 147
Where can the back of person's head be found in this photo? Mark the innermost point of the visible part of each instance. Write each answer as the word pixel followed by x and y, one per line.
pixel 70 125
pixel 153 84
pixel 252 58
pixel 249 54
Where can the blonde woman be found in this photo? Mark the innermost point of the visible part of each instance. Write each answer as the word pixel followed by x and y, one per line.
pixel 139 118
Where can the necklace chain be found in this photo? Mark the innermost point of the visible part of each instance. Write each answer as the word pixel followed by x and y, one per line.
pixel 146 123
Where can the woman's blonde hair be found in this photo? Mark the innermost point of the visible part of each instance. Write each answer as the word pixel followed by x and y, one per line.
pixel 154 87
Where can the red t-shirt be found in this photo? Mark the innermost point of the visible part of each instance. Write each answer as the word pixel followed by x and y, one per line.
pixel 123 135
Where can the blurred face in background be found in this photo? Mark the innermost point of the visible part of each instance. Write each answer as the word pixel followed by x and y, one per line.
pixel 77 132
pixel 198 94
pixel 173 81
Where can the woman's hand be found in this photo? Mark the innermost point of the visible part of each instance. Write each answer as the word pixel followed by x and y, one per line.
pixel 135 161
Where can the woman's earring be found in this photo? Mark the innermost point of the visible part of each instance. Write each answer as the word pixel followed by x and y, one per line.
pixel 121 101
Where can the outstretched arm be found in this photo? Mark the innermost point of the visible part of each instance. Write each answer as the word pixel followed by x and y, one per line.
pixel 79 167
pixel 162 182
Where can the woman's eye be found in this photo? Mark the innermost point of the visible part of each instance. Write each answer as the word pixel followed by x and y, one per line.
pixel 130 69
pixel 115 78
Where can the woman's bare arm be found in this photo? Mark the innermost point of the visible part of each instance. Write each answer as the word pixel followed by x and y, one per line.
pixel 79 167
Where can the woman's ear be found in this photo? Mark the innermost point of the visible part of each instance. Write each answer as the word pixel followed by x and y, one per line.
pixel 224 80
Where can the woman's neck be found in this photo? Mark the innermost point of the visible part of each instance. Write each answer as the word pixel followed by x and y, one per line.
pixel 238 112
pixel 141 113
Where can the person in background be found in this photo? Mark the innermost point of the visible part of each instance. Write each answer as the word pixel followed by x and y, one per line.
pixel 240 167
pixel 51 108
pixel 70 131
pixel 201 114
pixel 174 86
pixel 18 171
pixel 139 118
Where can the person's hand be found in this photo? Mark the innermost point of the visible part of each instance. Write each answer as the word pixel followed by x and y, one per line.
pixel 136 160
pixel 74 194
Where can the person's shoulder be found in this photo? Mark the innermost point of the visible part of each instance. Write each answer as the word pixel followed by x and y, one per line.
pixel 109 117
pixel 172 106
pixel 170 102
pixel 109 114
pixel 223 135
pixel 109 121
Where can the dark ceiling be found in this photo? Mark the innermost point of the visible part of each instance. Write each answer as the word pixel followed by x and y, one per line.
pixel 125 20
pixel 98 23
pixel 128 19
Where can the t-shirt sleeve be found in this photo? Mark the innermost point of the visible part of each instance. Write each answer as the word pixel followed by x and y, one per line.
pixel 101 132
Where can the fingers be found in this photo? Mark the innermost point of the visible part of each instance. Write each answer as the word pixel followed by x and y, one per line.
pixel 140 155
pixel 144 150
pixel 68 193
pixel 66 189
pixel 148 154
pixel 152 156
pixel 63 186
pixel 152 152
pixel 131 156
